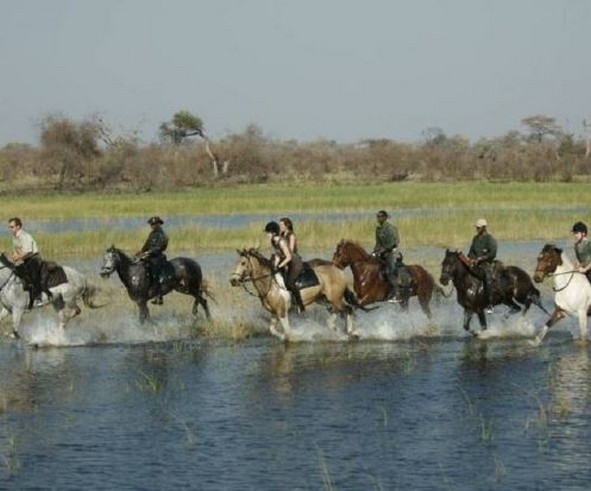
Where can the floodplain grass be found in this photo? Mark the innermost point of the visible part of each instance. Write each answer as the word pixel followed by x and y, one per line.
pixel 435 214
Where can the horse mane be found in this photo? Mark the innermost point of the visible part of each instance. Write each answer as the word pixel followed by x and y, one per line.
pixel 357 245
pixel 254 252
pixel 120 252
pixel 5 261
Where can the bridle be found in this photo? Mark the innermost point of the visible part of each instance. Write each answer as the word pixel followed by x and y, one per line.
pixel 244 279
pixel 552 274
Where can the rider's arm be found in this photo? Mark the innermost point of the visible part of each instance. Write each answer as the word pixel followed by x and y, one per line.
pixel 286 252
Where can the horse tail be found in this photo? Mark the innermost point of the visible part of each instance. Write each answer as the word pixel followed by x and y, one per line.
pixel 88 296
pixel 206 290
pixel 535 297
pixel 352 300
pixel 440 292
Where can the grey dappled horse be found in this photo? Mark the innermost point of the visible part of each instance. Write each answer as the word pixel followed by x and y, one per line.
pixel 14 299
pixel 186 278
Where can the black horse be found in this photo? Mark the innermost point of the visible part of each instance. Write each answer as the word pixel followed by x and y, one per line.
pixel 185 277
pixel 511 284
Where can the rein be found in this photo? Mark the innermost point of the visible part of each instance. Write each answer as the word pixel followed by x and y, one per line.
pixel 572 275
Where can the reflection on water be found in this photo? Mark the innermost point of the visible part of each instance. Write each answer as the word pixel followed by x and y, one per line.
pixel 263 415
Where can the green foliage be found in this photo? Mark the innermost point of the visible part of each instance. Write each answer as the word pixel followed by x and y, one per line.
pixel 183 124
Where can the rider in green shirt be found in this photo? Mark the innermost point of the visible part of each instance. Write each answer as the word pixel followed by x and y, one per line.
pixel 582 249
pixel 483 252
pixel 152 252
pixel 386 250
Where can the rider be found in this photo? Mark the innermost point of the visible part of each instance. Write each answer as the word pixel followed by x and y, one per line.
pixel 288 262
pixel 286 231
pixel 582 249
pixel 152 252
pixel 28 262
pixel 386 250
pixel 483 252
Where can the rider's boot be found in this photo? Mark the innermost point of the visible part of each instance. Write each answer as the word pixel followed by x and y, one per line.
pixel 297 296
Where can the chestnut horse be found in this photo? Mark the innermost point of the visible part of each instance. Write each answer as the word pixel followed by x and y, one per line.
pixel 369 284
pixel 331 289
pixel 573 290
pixel 510 284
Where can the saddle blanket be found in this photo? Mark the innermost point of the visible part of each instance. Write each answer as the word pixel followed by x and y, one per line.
pixel 55 274
pixel 307 277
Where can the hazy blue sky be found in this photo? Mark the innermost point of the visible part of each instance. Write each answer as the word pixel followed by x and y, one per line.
pixel 307 69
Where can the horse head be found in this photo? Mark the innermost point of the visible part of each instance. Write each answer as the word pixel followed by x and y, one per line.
pixel 347 252
pixel 111 261
pixel 449 266
pixel 244 267
pixel 548 260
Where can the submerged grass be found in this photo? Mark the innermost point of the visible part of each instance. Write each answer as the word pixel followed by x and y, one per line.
pixel 437 214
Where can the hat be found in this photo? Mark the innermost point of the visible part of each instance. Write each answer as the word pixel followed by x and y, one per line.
pixel 481 222
pixel 154 220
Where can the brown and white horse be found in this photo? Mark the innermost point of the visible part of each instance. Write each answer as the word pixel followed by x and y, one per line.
pixel 572 289
pixel 331 289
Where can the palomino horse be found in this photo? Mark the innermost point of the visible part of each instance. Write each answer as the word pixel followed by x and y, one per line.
pixel 369 284
pixel 511 284
pixel 186 278
pixel 331 288
pixel 572 289
pixel 65 296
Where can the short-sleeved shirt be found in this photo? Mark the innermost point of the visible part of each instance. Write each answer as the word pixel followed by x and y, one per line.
pixel 386 237
pixel 483 245
pixel 583 251
pixel 156 243
pixel 24 243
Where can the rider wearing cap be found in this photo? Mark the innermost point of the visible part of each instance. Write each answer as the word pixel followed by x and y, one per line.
pixel 386 250
pixel 152 252
pixel 483 252
pixel 582 249
pixel 288 262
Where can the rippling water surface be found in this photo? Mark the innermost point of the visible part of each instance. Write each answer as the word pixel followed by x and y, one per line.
pixel 412 405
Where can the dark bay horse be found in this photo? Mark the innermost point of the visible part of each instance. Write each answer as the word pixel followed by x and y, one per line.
pixel 510 285
pixel 187 279
pixel 369 284
pixel 331 290
pixel 572 289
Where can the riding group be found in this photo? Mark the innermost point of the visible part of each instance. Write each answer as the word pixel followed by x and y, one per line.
pixel 480 279
pixel 285 283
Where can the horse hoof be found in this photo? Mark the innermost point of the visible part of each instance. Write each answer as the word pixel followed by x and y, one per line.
pixel 14 335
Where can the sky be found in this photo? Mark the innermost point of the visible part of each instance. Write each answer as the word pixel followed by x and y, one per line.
pixel 303 70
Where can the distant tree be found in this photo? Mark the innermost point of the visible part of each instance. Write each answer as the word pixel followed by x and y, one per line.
pixel 434 136
pixel 185 124
pixel 541 126
pixel 70 145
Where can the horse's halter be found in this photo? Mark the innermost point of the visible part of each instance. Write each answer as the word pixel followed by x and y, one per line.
pixel 551 274
pixel 245 278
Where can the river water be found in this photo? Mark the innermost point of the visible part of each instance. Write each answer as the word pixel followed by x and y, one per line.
pixel 413 404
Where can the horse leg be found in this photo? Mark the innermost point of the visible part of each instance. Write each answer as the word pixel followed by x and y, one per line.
pixel 582 316
pixel 200 300
pixel 424 303
pixel 467 319
pixel 144 312
pixel 17 315
pixel 481 319
pixel 553 319
pixel 332 321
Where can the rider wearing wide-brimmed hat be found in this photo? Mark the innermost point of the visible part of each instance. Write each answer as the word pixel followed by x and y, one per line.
pixel 152 252
pixel 483 252
pixel 582 249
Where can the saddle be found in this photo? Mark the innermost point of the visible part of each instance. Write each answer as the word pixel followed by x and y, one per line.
pixel 307 277
pixel 55 273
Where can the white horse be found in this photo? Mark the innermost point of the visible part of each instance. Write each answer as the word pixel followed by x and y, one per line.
pixel 572 289
pixel 14 299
